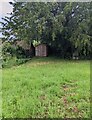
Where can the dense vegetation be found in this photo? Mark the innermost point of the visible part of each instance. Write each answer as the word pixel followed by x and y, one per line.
pixel 64 26
pixel 47 87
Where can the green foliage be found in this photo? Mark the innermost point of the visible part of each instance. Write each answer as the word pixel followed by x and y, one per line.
pixel 20 52
pixel 8 51
pixel 35 43
pixel 13 54
pixel 13 61
pixel 8 48
pixel 21 61
pixel 56 24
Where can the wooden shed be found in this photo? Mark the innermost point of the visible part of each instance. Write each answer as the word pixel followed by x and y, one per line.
pixel 41 50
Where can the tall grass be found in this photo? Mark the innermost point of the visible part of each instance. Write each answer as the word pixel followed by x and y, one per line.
pixel 47 87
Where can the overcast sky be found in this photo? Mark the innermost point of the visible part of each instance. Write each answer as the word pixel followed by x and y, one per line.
pixel 5 8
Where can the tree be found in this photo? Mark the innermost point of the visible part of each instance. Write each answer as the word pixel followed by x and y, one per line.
pixel 64 26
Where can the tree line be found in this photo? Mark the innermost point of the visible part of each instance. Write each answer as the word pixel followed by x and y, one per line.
pixel 64 26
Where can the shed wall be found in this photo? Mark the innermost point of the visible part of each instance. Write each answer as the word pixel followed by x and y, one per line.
pixel 41 50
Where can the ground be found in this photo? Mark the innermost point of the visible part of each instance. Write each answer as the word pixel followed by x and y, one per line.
pixel 47 87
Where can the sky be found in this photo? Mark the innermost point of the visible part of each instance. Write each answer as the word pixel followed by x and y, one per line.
pixel 5 8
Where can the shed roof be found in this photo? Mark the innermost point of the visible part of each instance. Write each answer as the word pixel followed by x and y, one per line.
pixel 41 44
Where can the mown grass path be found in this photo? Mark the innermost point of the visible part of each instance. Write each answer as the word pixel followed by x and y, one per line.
pixel 47 87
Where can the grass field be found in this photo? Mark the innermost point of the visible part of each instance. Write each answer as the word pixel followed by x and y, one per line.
pixel 47 87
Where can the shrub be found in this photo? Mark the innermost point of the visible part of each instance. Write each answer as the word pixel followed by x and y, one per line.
pixel 14 61
pixel 20 52
pixel 8 48
pixel 12 55
pixel 21 61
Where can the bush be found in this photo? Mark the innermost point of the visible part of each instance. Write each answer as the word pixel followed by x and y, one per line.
pixel 13 54
pixel 20 52
pixel 13 61
pixel 8 48
pixel 21 61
